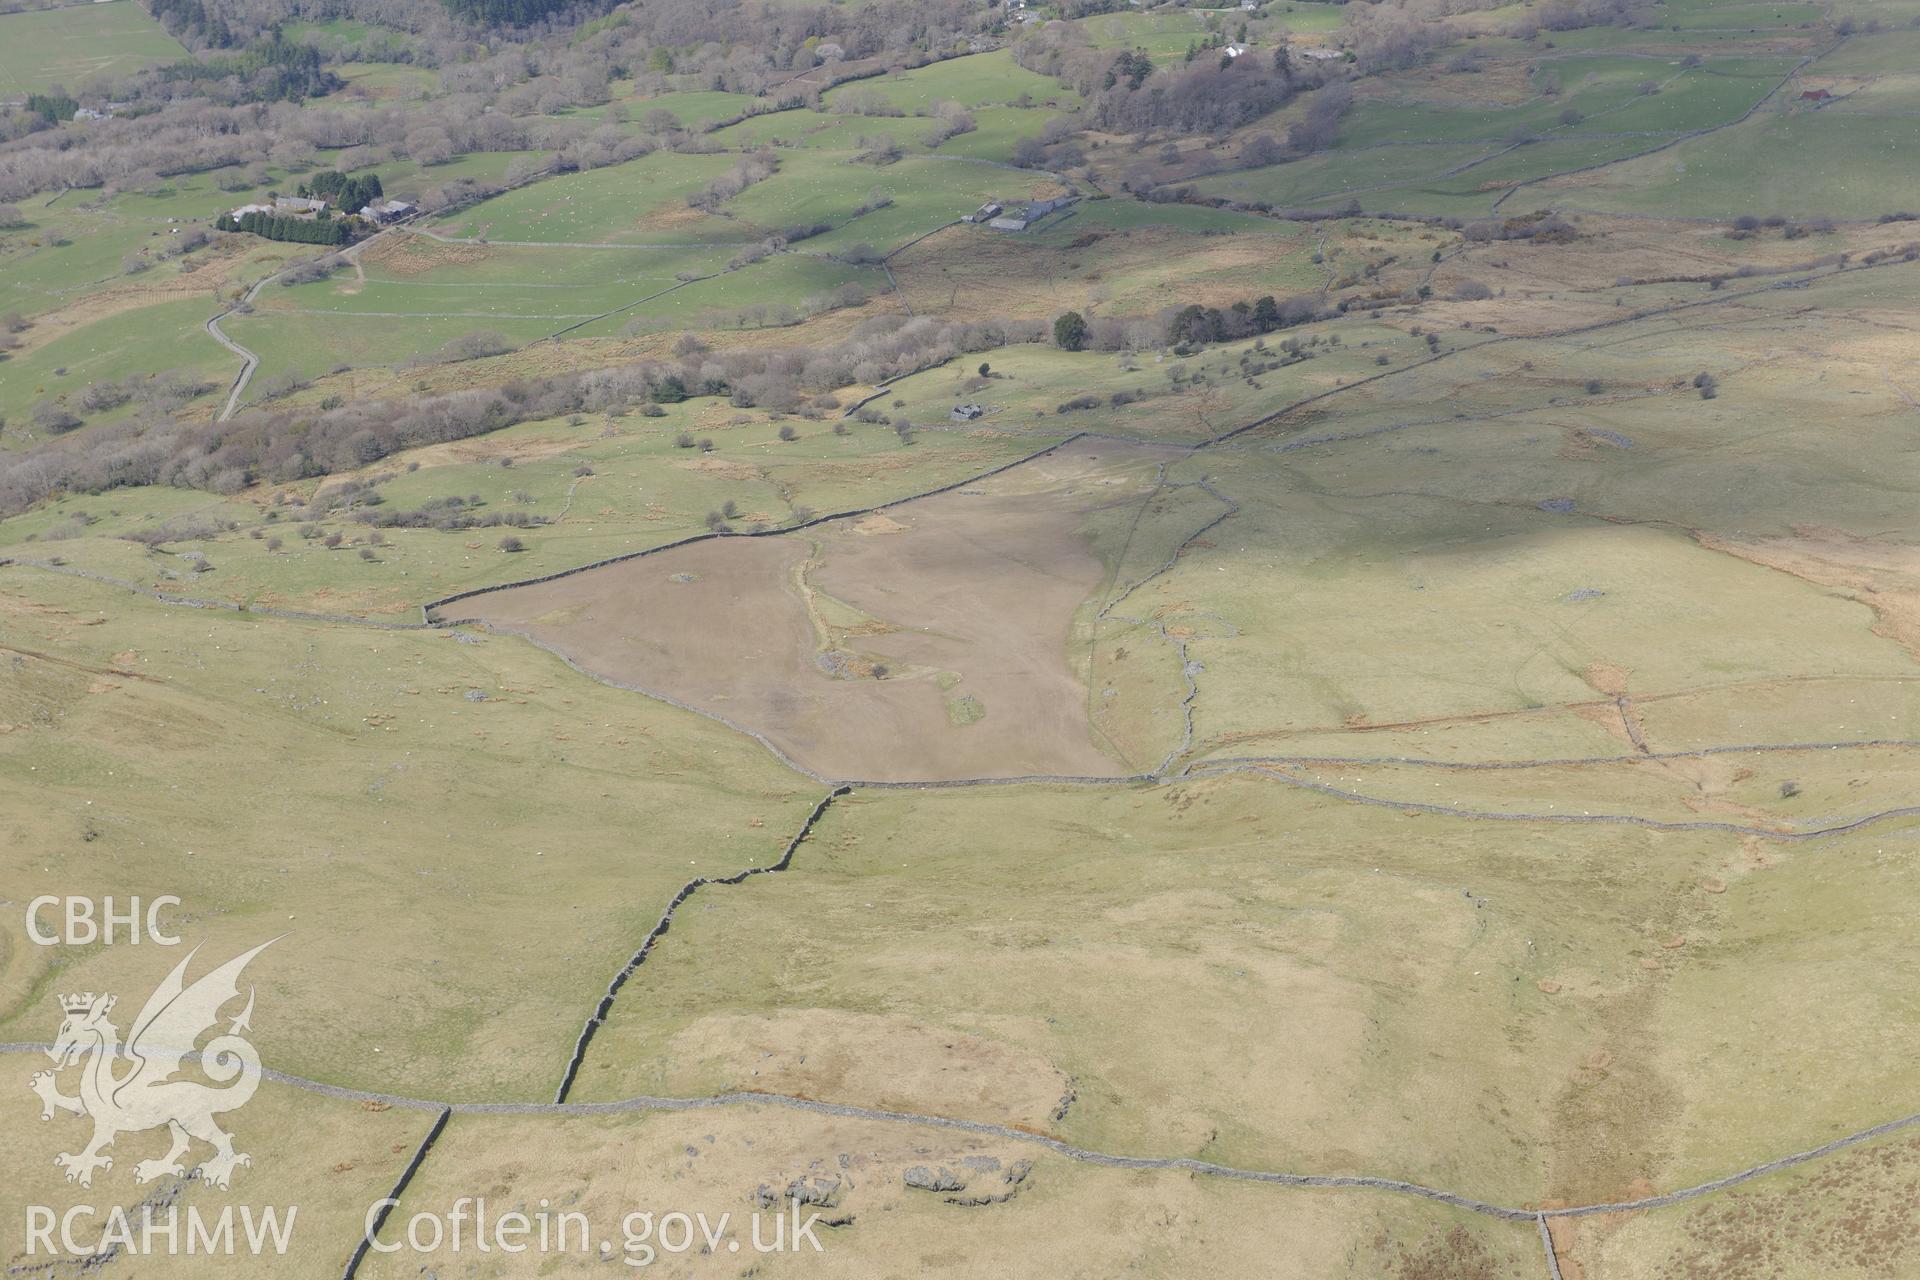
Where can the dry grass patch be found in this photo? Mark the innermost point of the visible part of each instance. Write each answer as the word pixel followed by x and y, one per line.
pixel 322 1160
pixel 1240 971
pixel 1053 1217
pixel 463 841
pixel 1847 1217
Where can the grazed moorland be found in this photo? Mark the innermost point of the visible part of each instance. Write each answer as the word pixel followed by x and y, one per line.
pixel 1341 697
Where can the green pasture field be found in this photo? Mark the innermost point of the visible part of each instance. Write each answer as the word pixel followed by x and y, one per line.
pixel 1886 52
pixel 1886 12
pixel 978 80
pixel 818 186
pixel 1890 96
pixel 643 490
pixel 1330 175
pixel 1121 258
pixel 1718 92
pixel 1472 192
pixel 388 82
pixel 341 28
pixel 512 282
pixel 1158 32
pixel 1642 454
pixel 524 293
pixel 1887 62
pixel 1303 17
pixel 69 46
pixel 734 299
pixel 1658 41
pixel 996 131
pixel 308 344
pixel 1743 789
pixel 407 179
pixel 694 108
pixel 76 243
pixel 1738 15
pixel 1811 164
pixel 604 205
pixel 824 130
pixel 1605 91
pixel 1666 453
pixel 1540 650
pixel 1121 214
pixel 162 337
pixel 62 255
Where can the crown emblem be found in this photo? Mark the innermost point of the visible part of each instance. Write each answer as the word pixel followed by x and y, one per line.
pixel 129 1088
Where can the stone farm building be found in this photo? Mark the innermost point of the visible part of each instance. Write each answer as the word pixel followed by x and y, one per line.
pixel 1022 218
pixel 386 211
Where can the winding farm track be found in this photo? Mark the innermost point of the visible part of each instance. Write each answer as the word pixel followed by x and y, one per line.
pixel 249 361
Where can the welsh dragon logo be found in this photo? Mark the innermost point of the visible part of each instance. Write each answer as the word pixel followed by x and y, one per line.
pixel 129 1088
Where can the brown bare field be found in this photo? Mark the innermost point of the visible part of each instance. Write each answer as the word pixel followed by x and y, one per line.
pixel 921 643
pixel 416 255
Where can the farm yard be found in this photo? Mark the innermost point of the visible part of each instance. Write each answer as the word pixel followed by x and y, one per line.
pixel 1183 641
